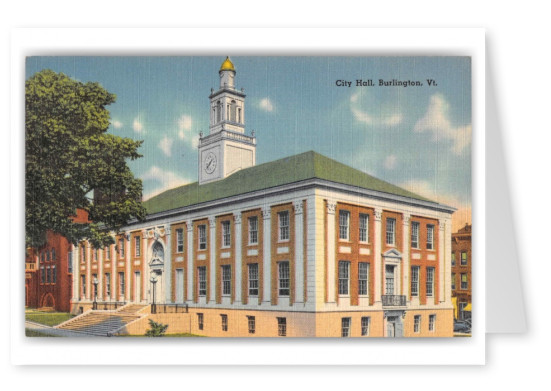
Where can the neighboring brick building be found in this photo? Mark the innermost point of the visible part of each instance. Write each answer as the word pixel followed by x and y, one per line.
pixel 461 272
pixel 49 274
pixel 302 246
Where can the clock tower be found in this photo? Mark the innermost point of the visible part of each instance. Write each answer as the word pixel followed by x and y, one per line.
pixel 226 149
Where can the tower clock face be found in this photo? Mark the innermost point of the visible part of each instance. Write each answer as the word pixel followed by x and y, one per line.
pixel 210 163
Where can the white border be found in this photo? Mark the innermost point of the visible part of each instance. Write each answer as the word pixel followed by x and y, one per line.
pixel 357 41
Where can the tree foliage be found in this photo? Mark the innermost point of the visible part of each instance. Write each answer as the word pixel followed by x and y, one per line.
pixel 69 155
pixel 156 329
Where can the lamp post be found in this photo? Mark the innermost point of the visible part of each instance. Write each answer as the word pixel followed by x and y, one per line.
pixel 95 304
pixel 153 306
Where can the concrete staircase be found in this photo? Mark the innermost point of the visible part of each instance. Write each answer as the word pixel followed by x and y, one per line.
pixel 103 323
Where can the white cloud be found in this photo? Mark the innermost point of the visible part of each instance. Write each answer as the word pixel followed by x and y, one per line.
pixel 388 119
pixel 185 123
pixel 116 124
pixel 390 162
pixel 166 180
pixel 437 122
pixel 137 125
pixel 266 104
pixel 166 145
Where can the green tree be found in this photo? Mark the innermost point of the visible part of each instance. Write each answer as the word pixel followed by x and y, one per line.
pixel 156 330
pixel 68 156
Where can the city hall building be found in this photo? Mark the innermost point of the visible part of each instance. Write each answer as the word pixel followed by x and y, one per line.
pixel 303 246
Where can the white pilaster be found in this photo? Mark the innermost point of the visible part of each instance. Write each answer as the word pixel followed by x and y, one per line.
pixel 128 262
pixel 168 265
pixel 76 271
pixel 190 268
pixel 100 274
pixel 144 266
pixel 331 288
pixel 405 254
pixel 267 255
pixel 299 252
pixel 212 262
pixel 378 256
pixel 114 277
pixel 237 256
pixel 442 261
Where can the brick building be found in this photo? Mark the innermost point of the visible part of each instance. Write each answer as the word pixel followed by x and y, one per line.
pixel 302 246
pixel 461 272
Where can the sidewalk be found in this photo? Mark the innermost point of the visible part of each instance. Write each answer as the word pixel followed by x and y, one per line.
pixel 57 332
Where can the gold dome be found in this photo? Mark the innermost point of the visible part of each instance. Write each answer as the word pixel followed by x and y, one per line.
pixel 227 65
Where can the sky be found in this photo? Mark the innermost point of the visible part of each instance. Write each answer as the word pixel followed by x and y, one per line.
pixel 416 137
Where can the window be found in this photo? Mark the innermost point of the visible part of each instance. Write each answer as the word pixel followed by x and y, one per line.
pixel 464 281
pixel 138 246
pixel 415 281
pixel 253 279
pixel 253 230
pixel 121 248
pixel 108 252
pixel 414 234
pixel 226 234
pixel 48 256
pixel 179 240
pixel 82 254
pixel 416 323
pixel 121 283
pixel 462 306
pixel 95 255
pixel 453 259
pixel 430 237
pixel 283 268
pixel 94 279
pixel 252 324
pixel 390 232
pixel 389 280
pixel 344 277
pixel 70 262
pixel 453 281
pixel 430 281
pixel 42 257
pixel 200 321
pixel 226 280
pixel 83 285
pixel 224 322
pixel 463 258
pixel 282 327
pixel 365 325
pixel 364 231
pixel 345 327
pixel 53 254
pixel 54 274
pixel 202 237
pixel 108 284
pixel 432 321
pixel 42 274
pixel 344 224
pixel 283 226
pixel 363 273
pixel 202 278
pixel 48 275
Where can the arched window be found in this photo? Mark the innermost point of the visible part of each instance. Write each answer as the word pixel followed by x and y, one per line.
pixel 233 111
pixel 218 111
pixel 239 120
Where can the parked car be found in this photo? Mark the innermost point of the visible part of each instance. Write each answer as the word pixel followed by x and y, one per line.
pixel 461 326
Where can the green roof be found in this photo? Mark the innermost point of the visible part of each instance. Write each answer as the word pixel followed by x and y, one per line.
pixel 288 170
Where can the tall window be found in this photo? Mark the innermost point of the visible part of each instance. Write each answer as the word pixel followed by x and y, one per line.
pixel 365 325
pixel 202 279
pixel 138 246
pixel 180 240
pixel 42 274
pixel 284 283
pixel 463 258
pixel 282 327
pixel 283 225
pixel 41 257
pixel 224 322
pixel 344 277
pixel 344 224
pixel 253 230
pixel 121 248
pixel 453 281
pixel 108 252
pixel 94 278
pixel 464 281
pixel 415 281
pixel 47 256
pixel 414 234
pixel 453 259
pixel 389 280
pixel 462 306
pixel 363 273
pixel 390 232
pixel 226 234
pixel 226 280
pixel 82 254
pixel 54 274
pixel 430 237
pixel 345 327
pixel 95 254
pixel 364 231
pixel 432 321
pixel 48 275
pixel 430 281
pixel 121 283
pixel 108 284
pixel 202 229
pixel 200 321
pixel 252 324
pixel 253 279
pixel 53 254
pixel 83 284
pixel 416 323
pixel 70 262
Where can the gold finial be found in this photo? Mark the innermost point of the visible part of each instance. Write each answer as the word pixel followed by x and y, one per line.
pixel 227 65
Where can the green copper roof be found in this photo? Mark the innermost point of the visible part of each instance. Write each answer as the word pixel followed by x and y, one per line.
pixel 288 170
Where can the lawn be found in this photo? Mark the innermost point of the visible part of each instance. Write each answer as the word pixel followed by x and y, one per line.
pixel 47 318
pixel 35 333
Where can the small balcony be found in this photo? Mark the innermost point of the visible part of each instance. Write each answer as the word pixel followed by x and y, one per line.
pixel 394 300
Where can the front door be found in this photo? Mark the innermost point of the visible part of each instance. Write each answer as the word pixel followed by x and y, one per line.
pixel 394 327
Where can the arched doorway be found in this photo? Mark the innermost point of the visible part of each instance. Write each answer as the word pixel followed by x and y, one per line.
pixel 156 272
